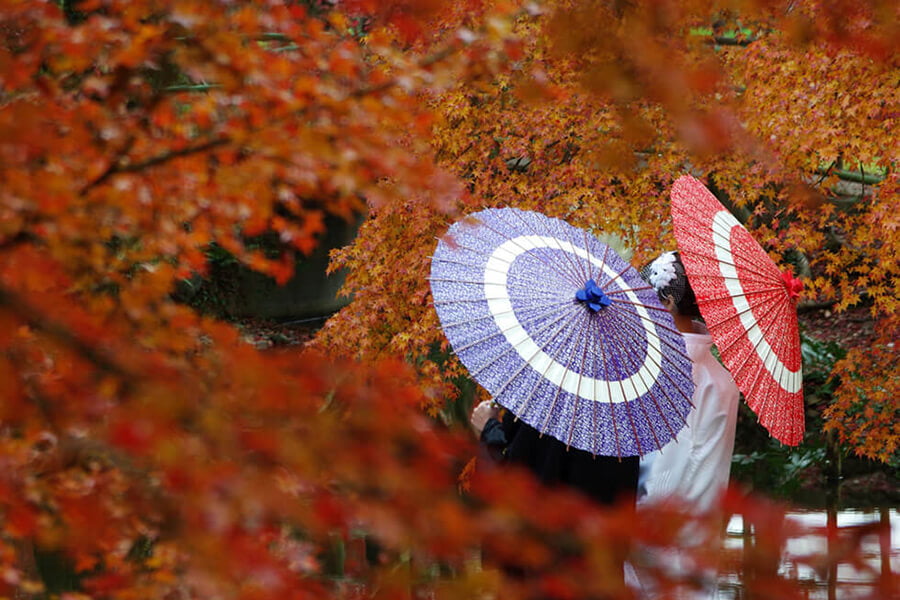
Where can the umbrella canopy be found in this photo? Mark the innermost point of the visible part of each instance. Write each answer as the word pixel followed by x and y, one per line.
pixel 748 305
pixel 562 332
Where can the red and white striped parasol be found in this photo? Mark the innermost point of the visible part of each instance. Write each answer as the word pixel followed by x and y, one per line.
pixel 749 306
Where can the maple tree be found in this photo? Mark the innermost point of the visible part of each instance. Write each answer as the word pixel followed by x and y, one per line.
pixel 775 105
pixel 152 451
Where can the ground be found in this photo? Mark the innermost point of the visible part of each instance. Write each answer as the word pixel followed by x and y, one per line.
pixel 272 334
pixel 852 328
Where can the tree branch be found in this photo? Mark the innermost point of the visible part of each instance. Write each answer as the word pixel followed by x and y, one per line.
pixel 21 237
pixel 731 41
pixel 39 322
pixel 119 166
pixel 428 61
pixel 196 87
pixel 855 176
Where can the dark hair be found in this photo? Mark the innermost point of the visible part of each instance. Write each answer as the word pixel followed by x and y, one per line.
pixel 688 303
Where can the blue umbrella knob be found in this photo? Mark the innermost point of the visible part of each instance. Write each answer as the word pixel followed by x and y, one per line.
pixel 592 296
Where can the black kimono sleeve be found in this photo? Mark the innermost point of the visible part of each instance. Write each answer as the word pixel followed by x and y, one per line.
pixel 497 434
pixel 606 479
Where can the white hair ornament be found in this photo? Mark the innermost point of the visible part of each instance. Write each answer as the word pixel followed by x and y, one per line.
pixel 666 274
pixel 661 272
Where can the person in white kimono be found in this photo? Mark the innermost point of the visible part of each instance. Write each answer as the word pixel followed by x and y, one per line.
pixel 697 464
pixel 694 468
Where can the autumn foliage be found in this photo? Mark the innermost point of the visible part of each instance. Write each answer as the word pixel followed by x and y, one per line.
pixel 149 451
pixel 786 112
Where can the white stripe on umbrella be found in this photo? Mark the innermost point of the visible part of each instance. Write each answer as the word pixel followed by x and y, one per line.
pixel 789 380
pixel 500 305
pixel 541 303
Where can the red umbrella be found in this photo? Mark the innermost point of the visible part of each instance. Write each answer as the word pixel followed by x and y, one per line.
pixel 749 306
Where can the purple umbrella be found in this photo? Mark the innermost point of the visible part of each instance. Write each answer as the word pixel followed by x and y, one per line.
pixel 562 332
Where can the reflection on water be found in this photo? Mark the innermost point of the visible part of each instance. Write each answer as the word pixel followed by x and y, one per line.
pixel 880 556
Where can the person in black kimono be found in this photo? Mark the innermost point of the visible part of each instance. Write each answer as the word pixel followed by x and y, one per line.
pixel 605 479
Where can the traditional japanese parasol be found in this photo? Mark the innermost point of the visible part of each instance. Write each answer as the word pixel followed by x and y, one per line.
pixel 748 304
pixel 562 332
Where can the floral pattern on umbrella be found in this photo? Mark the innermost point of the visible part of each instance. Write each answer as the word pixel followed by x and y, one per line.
pixel 561 331
pixel 748 304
